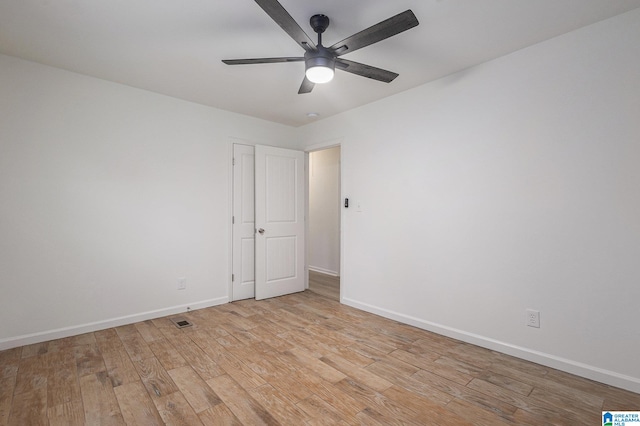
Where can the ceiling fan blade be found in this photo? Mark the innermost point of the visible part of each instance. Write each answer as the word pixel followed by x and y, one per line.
pixel 287 23
pixel 261 60
pixel 380 31
pixel 365 70
pixel 306 86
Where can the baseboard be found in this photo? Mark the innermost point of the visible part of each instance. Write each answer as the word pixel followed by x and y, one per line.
pixel 323 271
pixel 579 369
pixel 60 333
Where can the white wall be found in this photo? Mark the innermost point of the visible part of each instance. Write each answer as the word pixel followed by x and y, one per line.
pixel 324 211
pixel 510 185
pixel 108 194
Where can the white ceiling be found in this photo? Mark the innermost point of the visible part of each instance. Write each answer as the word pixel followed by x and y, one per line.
pixel 175 47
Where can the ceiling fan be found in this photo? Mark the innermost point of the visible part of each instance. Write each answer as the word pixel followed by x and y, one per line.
pixel 320 61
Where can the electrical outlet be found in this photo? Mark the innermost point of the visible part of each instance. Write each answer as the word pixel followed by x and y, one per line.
pixel 533 318
pixel 182 283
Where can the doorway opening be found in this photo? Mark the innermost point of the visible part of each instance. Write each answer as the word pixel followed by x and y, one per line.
pixel 324 228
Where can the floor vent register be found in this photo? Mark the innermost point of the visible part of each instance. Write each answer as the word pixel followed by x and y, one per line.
pixel 181 322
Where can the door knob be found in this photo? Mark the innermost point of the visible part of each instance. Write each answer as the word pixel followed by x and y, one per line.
pixel 261 231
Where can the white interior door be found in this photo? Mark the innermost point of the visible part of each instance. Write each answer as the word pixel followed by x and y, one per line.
pixel 279 221
pixel 243 223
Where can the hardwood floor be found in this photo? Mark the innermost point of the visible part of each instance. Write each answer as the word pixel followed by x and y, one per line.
pixel 324 285
pixel 292 360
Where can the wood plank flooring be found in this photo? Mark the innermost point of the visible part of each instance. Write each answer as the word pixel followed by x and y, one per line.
pixel 293 360
pixel 325 285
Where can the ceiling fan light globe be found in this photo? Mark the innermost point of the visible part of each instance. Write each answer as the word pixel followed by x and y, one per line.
pixel 319 74
pixel 319 65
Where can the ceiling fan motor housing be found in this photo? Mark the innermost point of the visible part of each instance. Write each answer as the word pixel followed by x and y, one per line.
pixel 322 57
